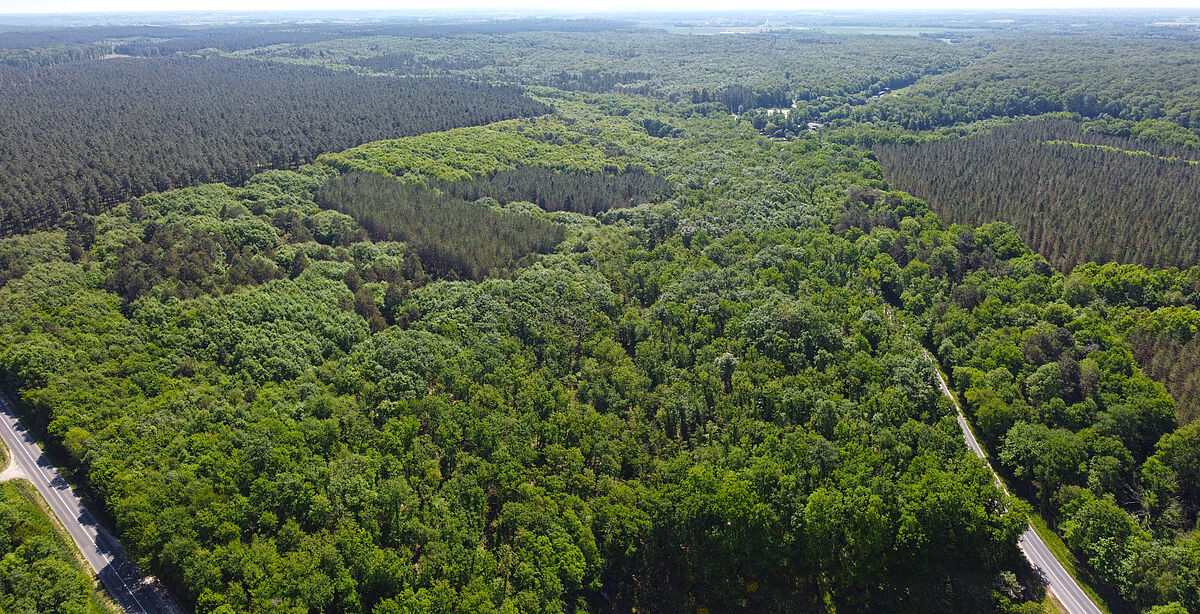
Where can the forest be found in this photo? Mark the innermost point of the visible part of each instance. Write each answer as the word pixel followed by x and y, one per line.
pixel 823 71
pixel 1129 77
pixel 27 48
pixel 1077 195
pixel 1164 342
pixel 530 441
pixel 450 236
pixel 1101 450
pixel 440 317
pixel 586 193
pixel 39 573
pixel 76 140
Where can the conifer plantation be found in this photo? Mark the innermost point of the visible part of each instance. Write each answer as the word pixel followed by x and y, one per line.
pixel 366 313
pixel 1075 196
pixel 87 135
pixel 451 236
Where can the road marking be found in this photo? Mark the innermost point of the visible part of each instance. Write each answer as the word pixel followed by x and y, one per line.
pixel 9 420
pixel 1056 573
pixel 1035 552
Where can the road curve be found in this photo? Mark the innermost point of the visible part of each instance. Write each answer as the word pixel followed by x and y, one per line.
pixel 1064 587
pixel 133 592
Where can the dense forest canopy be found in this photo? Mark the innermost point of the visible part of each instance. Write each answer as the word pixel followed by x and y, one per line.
pixel 549 316
pixel 42 47
pixel 1077 196
pixel 39 571
pixel 76 139
pixel 588 193
pixel 1164 342
pixel 449 235
pixel 463 154
pixel 776 68
pixel 1127 77
pixel 539 428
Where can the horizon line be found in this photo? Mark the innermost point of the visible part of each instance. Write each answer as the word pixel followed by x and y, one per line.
pixel 548 11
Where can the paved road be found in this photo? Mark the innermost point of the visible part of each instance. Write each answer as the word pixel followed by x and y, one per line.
pixel 132 591
pixel 1064 587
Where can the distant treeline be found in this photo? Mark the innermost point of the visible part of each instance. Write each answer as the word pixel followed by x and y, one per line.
pixel 74 137
pixel 160 40
pixel 1126 77
pixel 739 98
pixel 824 72
pixel 405 63
pixel 59 37
pixel 1086 197
pixel 586 80
pixel 452 238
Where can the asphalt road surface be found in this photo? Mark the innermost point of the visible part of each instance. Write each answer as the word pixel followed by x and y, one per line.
pixel 131 590
pixel 1064 587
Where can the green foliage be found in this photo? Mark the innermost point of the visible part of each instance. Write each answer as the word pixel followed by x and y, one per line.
pixel 1085 196
pixel 1170 608
pixel 767 69
pixel 1048 376
pixel 459 155
pixel 586 193
pixel 712 373
pixel 19 253
pixel 39 571
pixel 1179 455
pixel 717 400
pixel 450 236
pixel 1150 130
pixel 1107 536
pixel 87 144
pixel 1129 77
pixel 1167 347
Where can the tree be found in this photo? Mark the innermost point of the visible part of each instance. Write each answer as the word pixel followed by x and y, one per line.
pixel 1109 538
pixel 1179 452
pixel 726 363
pixel 1048 457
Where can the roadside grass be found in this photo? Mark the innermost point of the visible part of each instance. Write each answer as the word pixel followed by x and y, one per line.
pixel 1066 557
pixel 31 495
pixel 1051 605
pixel 1039 525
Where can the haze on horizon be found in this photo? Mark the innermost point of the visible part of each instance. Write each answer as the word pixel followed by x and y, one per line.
pixel 115 6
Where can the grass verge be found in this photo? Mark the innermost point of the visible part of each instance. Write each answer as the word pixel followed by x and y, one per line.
pixel 1051 605
pixel 1066 557
pixel 1052 540
pixel 31 495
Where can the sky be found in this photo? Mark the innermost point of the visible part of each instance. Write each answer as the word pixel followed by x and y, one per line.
pixel 72 6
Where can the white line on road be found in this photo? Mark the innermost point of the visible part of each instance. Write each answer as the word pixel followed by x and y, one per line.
pixel 1057 579
pixel 18 440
